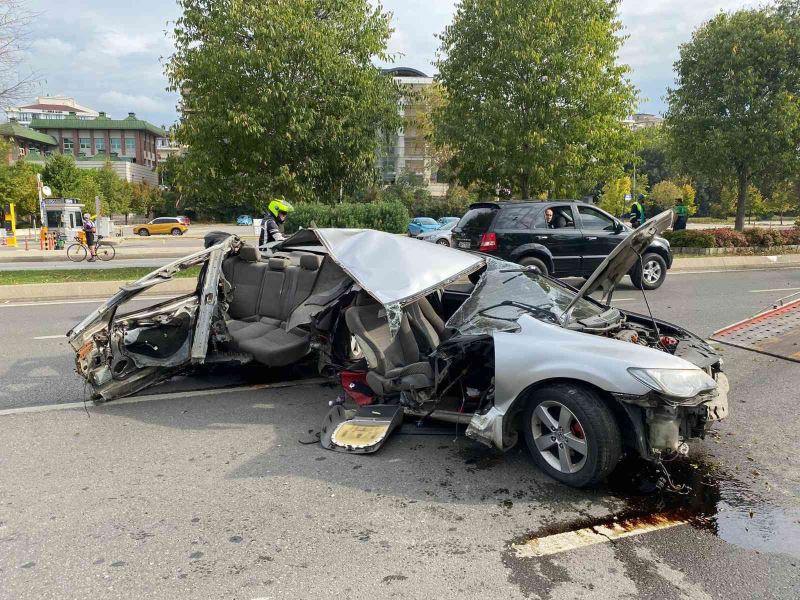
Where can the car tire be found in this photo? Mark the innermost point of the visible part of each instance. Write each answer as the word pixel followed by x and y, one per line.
pixel 585 454
pixel 537 263
pixel 176 231
pixel 653 275
pixel 443 242
pixel 143 232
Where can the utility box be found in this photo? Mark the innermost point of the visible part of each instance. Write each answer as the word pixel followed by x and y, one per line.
pixel 105 226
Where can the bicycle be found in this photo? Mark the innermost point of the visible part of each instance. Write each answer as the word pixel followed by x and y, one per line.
pixel 78 251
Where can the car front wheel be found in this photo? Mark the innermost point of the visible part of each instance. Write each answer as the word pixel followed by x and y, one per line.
pixel 650 273
pixel 536 264
pixel 443 242
pixel 144 232
pixel 572 435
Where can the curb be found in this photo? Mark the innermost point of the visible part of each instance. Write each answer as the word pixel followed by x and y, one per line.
pixel 87 290
pixel 735 262
pixel 121 256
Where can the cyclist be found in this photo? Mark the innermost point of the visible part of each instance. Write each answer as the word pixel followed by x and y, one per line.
pixel 272 224
pixel 89 229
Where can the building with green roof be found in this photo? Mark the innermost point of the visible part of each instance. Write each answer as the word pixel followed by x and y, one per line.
pixel 25 141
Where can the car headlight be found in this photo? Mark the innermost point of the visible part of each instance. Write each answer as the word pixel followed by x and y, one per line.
pixel 678 383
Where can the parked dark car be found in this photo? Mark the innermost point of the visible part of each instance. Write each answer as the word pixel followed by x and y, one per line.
pixel 577 240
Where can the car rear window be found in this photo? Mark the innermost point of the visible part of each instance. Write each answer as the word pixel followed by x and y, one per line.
pixel 477 218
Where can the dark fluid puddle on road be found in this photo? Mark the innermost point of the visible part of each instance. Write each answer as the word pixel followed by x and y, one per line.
pixel 712 502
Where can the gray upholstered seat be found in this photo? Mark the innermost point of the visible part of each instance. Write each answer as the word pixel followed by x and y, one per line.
pixel 395 363
pixel 264 296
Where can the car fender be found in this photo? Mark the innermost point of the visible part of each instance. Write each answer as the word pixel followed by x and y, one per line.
pixel 536 250
pixel 539 352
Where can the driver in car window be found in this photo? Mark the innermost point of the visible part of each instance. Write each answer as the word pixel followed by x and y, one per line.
pixel 554 221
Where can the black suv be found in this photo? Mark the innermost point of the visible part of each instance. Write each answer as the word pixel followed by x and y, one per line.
pixel 579 237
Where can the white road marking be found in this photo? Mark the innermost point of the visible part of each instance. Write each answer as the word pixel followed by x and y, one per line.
pixel 95 301
pixel 50 337
pixel 623 300
pixel 167 396
pixel 671 273
pixel 589 536
pixel 774 290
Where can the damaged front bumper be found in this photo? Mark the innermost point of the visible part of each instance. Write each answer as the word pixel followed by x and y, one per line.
pixel 663 425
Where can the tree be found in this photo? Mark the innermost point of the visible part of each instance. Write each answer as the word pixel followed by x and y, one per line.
pixel 784 199
pixel 535 97
pixel 664 194
pixel 734 113
pixel 280 98
pixel 61 174
pixel 612 199
pixel 14 23
pixel 113 197
pixel 18 185
pixel 651 145
pixel 728 204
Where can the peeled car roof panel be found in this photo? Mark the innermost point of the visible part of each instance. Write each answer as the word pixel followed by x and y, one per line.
pixel 393 268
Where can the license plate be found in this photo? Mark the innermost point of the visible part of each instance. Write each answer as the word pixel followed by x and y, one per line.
pixel 464 244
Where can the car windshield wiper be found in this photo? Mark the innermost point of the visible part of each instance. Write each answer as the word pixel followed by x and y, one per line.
pixel 541 310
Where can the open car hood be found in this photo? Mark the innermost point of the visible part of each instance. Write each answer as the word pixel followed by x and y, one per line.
pixel 393 269
pixel 620 261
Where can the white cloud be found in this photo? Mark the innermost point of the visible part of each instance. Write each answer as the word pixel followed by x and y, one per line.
pixel 52 46
pixel 120 103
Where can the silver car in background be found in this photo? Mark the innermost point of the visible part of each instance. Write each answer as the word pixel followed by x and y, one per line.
pixel 441 236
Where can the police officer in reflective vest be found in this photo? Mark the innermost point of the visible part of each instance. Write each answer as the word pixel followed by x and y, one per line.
pixel 637 215
pixel 272 224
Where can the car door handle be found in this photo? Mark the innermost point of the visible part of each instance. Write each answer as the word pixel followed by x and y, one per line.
pixel 542 237
pixel 591 237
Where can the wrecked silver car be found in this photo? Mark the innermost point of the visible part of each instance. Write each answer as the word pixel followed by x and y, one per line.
pixel 419 330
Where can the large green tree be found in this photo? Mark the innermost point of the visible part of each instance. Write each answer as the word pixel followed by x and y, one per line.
pixel 735 111
pixel 281 97
pixel 61 174
pixel 535 97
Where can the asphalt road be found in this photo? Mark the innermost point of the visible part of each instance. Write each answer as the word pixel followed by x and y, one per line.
pixel 212 496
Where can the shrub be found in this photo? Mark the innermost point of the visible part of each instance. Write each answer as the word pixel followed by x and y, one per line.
pixel 758 236
pixel 791 236
pixel 728 238
pixel 687 238
pixel 384 216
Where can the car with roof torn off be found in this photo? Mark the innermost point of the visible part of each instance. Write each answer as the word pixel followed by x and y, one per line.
pixel 429 332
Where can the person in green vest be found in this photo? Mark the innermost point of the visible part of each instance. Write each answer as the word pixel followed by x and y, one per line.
pixel 637 214
pixel 681 215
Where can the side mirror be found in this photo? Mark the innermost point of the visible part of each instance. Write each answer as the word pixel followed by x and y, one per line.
pixel 618 227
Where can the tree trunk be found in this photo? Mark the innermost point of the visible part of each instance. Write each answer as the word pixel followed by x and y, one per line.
pixel 741 202
pixel 525 186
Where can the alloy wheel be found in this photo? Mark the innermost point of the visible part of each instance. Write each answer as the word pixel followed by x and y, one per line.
pixel 559 437
pixel 651 272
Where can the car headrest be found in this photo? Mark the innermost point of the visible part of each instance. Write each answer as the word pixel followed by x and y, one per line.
pixel 249 254
pixel 277 264
pixel 310 262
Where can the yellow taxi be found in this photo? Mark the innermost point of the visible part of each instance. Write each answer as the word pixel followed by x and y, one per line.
pixel 162 225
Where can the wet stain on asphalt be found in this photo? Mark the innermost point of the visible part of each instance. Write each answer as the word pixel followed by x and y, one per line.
pixel 711 501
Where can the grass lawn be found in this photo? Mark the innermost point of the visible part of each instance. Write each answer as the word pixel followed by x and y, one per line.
pixel 79 275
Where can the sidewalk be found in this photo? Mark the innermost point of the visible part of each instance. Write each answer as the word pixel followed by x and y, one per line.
pixel 733 262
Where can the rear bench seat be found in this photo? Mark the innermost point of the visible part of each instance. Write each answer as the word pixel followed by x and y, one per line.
pixel 264 296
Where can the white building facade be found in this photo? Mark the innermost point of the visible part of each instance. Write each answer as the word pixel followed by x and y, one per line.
pixel 49 107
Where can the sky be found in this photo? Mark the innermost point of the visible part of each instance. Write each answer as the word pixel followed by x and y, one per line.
pixel 109 55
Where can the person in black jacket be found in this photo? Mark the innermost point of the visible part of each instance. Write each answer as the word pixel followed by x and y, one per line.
pixel 272 224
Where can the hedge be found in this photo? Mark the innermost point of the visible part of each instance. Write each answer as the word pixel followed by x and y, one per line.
pixel 729 238
pixel 384 216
